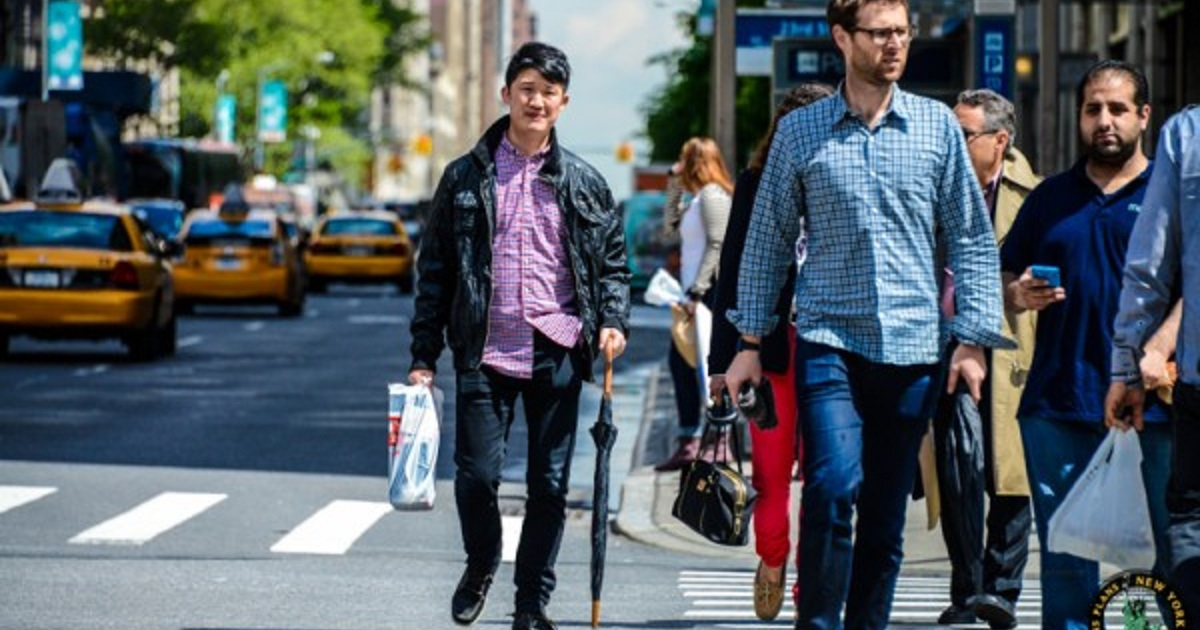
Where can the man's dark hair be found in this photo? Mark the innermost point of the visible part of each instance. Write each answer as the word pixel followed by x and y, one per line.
pixel 844 13
pixel 549 61
pixel 1141 88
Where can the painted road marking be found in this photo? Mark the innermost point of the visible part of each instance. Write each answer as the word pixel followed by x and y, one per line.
pixel 333 529
pixel 16 496
pixel 149 519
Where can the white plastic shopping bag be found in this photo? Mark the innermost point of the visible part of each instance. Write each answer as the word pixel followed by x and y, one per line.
pixel 1105 516
pixel 704 325
pixel 663 289
pixel 414 413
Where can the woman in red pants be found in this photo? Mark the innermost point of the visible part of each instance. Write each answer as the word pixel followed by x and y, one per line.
pixel 776 452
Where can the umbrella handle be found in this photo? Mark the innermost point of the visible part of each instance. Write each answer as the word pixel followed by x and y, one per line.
pixel 595 613
pixel 608 370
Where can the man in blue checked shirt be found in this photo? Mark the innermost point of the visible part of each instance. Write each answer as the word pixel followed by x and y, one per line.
pixel 883 183
pixel 1163 261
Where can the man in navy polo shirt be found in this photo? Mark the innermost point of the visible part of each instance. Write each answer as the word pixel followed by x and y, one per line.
pixel 1080 222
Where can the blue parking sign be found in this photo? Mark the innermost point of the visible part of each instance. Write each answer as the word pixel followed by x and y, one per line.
pixel 64 46
pixel 994 53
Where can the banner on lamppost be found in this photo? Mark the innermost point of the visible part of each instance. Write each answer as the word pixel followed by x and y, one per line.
pixel 272 111
pixel 226 117
pixel 64 46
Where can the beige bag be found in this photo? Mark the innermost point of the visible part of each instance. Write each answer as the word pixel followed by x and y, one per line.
pixel 683 333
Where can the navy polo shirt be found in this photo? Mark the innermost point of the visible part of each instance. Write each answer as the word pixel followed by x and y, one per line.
pixel 1069 223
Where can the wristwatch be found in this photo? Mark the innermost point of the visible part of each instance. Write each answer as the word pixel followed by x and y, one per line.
pixel 745 344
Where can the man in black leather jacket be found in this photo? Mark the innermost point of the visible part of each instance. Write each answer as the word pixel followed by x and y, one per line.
pixel 522 269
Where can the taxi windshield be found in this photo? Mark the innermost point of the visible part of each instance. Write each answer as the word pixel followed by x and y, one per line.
pixel 39 228
pixel 252 230
pixel 360 227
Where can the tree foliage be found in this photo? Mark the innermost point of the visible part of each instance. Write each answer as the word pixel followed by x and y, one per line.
pixel 680 108
pixel 330 53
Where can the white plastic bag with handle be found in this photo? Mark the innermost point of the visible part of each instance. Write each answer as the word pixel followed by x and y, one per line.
pixel 663 289
pixel 1105 516
pixel 414 414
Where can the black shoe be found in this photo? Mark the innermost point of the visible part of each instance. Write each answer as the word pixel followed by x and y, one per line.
pixel 997 611
pixel 955 614
pixel 532 621
pixel 470 596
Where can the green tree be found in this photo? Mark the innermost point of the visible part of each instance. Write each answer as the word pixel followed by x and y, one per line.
pixel 330 53
pixel 680 108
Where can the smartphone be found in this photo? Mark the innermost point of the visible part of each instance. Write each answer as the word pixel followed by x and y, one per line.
pixel 1047 273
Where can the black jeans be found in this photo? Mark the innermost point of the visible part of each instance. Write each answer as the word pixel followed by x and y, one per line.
pixel 1183 497
pixel 486 401
pixel 996 568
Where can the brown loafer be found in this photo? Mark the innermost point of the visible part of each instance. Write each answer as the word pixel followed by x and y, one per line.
pixel 768 596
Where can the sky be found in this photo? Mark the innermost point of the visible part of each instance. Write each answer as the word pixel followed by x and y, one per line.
pixel 608 43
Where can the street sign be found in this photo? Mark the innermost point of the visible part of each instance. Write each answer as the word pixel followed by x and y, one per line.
pixel 994 53
pixel 272 111
pixel 226 117
pixel 63 46
pixel 757 28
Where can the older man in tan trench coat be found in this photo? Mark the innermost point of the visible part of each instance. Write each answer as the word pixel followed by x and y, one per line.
pixel 979 449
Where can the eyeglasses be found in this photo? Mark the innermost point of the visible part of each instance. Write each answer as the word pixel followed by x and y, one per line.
pixel 881 36
pixel 969 135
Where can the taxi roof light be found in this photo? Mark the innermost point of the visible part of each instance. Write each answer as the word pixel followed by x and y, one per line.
pixel 62 183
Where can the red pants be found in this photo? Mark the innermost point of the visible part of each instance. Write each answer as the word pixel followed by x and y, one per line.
pixel 774 453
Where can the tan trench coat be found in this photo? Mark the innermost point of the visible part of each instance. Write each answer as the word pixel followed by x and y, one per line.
pixel 1008 369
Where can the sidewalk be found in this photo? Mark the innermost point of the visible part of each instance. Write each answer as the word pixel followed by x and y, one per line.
pixel 646 498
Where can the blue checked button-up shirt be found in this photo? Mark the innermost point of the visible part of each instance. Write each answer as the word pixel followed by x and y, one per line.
pixel 1164 253
pixel 881 207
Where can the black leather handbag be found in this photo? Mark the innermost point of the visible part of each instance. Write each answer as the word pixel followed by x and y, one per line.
pixel 714 499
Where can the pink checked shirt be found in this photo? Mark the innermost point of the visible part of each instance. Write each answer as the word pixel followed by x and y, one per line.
pixel 532 284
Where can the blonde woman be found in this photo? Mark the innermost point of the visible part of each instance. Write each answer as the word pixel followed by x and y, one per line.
pixel 700 224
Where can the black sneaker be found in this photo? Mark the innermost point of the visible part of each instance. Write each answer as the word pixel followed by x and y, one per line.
pixel 955 614
pixel 470 596
pixel 532 621
pixel 998 612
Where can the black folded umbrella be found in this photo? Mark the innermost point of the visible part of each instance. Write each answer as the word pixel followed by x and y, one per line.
pixel 604 434
pixel 958 430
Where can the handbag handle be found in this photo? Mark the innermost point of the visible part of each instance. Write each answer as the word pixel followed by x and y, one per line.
pixel 719 429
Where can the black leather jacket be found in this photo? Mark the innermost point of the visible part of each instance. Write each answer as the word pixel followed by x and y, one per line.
pixel 454 267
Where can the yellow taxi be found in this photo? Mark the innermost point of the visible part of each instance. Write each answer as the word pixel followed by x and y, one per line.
pixel 71 269
pixel 360 246
pixel 239 254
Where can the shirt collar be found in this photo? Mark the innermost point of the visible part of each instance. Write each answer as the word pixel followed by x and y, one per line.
pixel 896 106
pixel 1079 171
pixel 514 152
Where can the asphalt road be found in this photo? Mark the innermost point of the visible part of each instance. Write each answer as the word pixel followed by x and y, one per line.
pixel 241 484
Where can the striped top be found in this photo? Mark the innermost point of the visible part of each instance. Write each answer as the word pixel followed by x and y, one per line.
pixel 532 284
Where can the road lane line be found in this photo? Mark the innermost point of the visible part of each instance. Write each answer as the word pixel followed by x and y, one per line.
pixel 333 529
pixel 510 526
pixel 398 320
pixel 254 326
pixel 16 496
pixel 92 371
pixel 191 340
pixel 149 519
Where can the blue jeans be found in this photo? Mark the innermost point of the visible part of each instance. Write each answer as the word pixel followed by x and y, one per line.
pixel 862 424
pixel 1056 453
pixel 486 403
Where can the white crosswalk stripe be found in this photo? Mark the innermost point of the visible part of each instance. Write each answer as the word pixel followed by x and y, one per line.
pixel 144 522
pixel 16 496
pixel 333 529
pixel 725 599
